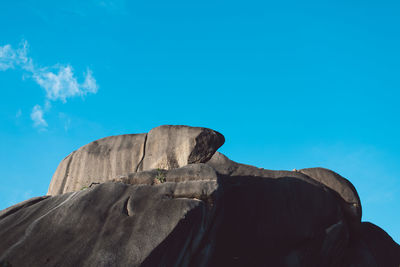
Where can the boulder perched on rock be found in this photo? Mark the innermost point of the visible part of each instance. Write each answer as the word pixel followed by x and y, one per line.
pixel 169 147
pixel 164 147
pixel 187 205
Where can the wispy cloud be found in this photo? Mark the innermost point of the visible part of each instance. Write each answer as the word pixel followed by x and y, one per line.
pixel 11 58
pixel 63 84
pixel 59 81
pixel 7 57
pixel 37 117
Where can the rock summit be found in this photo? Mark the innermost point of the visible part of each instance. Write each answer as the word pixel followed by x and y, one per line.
pixel 169 198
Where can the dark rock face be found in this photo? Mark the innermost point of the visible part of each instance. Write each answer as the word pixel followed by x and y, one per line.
pixel 112 224
pixel 213 212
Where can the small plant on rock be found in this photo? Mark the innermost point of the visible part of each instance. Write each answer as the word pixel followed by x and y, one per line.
pixel 160 177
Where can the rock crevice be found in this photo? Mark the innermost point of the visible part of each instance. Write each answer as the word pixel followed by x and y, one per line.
pixel 143 155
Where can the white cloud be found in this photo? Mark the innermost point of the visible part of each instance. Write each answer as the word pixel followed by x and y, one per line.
pixel 37 117
pixel 10 58
pixel 22 57
pixel 58 81
pixel 90 84
pixel 7 57
pixel 63 84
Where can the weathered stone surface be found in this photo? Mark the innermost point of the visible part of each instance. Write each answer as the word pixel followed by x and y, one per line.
pixel 112 224
pixel 196 217
pixel 23 204
pixel 339 184
pixel 190 207
pixel 344 189
pixel 269 221
pixel 98 161
pixel 164 147
pixel 224 166
pixel 383 249
pixel 192 172
pixel 173 146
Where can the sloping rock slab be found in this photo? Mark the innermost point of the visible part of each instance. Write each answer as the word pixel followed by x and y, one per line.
pixel 384 250
pixel 98 161
pixel 194 217
pixel 339 184
pixel 21 205
pixel 344 189
pixel 112 224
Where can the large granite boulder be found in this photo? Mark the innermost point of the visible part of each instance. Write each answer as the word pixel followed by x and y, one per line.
pixel 209 212
pixel 351 201
pixel 164 147
pixel 169 147
pixel 345 191
pixel 112 224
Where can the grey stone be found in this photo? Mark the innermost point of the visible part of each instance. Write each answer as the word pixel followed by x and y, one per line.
pixel 98 161
pixel 381 246
pixel 335 243
pixel 266 219
pixel 196 217
pixel 344 188
pixel 112 224
pixel 173 146
pixel 18 206
pixel 164 147
pixel 191 172
pixel 339 184
pixel 224 166
pixel 177 202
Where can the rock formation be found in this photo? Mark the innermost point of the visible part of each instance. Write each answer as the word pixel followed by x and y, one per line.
pixel 167 198
pixel 164 147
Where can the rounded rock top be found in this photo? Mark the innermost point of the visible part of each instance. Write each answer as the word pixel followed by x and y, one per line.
pixel 164 147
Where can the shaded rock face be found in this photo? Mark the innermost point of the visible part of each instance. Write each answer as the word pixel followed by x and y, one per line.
pixel 209 212
pixel 347 194
pixel 165 147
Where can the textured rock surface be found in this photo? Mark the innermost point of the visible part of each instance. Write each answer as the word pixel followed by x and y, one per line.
pixel 192 172
pixel 98 161
pixel 217 213
pixel 169 147
pixel 112 224
pixel 164 147
pixel 345 191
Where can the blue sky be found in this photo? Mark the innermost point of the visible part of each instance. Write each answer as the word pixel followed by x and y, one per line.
pixel 289 84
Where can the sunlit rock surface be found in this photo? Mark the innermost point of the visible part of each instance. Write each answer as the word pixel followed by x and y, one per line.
pixel 167 198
